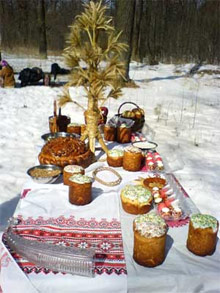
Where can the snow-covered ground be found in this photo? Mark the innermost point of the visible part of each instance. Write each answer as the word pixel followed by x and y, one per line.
pixel 182 116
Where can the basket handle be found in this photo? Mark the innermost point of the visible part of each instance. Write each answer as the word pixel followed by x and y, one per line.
pixel 127 103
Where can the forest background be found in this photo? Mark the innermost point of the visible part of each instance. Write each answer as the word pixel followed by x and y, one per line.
pixel 167 31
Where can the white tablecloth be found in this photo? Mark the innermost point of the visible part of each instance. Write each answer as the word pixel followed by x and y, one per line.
pixel 181 271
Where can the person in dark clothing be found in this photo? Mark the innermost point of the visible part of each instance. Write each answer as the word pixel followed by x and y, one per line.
pixel 30 76
pixel 56 69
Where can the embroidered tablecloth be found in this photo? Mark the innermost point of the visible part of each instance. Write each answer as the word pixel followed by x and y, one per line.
pixel 46 214
pixel 104 236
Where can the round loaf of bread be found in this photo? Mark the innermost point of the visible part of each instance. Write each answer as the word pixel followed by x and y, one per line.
pixel 202 234
pixel 136 199
pixel 109 133
pixel 115 157
pixel 150 232
pixel 80 189
pixel 74 128
pixel 63 151
pixel 71 170
pixel 123 134
pixel 132 158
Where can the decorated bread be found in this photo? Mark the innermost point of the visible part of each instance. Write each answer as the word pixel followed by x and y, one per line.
pixel 115 157
pixel 150 232
pixel 80 189
pixel 109 133
pixel 136 199
pixel 63 151
pixel 71 170
pixel 132 159
pixel 74 128
pixel 202 234
pixel 124 133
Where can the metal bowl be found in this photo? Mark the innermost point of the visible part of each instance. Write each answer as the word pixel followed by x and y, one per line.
pixel 44 179
pixel 48 136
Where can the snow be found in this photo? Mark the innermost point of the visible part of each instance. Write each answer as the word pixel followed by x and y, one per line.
pixel 182 116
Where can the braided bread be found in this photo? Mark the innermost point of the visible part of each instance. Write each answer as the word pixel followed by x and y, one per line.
pixel 63 151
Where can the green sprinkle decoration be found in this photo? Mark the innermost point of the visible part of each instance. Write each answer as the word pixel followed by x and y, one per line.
pixel 204 221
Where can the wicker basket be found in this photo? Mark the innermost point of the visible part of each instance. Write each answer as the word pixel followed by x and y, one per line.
pixel 139 123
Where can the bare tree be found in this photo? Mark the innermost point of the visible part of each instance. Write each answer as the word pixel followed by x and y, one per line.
pixel 124 21
pixel 0 36
pixel 137 29
pixel 42 29
pixel 161 30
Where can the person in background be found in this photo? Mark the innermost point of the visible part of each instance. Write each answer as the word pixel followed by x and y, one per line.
pixel 7 74
pixel 1 79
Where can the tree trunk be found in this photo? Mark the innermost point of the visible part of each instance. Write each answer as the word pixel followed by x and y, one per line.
pixel 0 45
pixel 42 29
pixel 1 32
pixel 124 21
pixel 137 29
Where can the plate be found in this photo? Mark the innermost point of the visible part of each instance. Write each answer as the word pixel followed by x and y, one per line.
pixel 145 145
pixel 152 182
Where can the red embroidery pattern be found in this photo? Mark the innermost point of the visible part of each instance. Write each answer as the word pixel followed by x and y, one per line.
pixel 105 236
pixel 24 193
pixel 4 259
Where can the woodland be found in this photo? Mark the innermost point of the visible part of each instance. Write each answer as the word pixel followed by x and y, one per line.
pixel 168 31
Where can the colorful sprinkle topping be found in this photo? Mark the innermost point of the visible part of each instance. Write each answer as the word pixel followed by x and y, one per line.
pixel 150 225
pixel 136 192
pixel 204 221
pixel 79 178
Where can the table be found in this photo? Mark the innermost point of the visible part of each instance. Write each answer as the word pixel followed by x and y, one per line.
pixel 46 214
